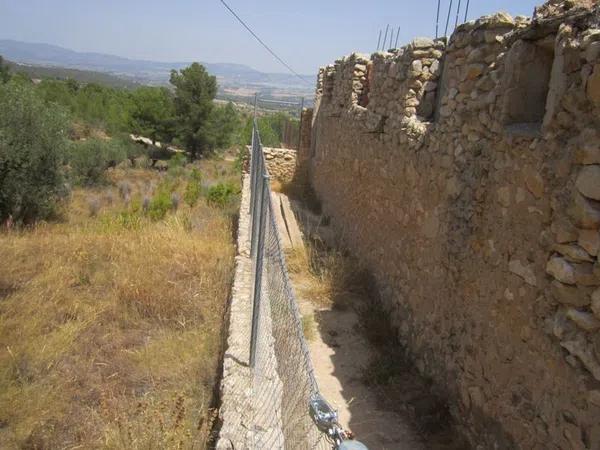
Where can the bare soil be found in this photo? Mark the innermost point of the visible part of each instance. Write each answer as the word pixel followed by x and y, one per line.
pixel 359 364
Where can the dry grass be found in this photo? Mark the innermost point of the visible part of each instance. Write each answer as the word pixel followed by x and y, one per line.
pixel 302 192
pixel 110 324
pixel 309 327
pixel 324 276
pixel 278 186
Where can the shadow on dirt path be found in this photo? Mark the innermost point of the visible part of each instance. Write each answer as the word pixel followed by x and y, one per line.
pixel 359 364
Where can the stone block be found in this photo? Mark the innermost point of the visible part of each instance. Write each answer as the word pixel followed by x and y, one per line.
pixel 561 270
pixel 585 275
pixel 588 181
pixel 583 320
pixel 595 306
pixel 534 183
pixel 590 241
pixel 592 53
pixel 416 68
pixel 588 153
pixel 569 295
pixel 503 195
pixel 572 253
pixel 585 213
pixel 422 42
pixel 473 71
pixel 585 354
pixel 594 398
pixel 593 86
pixel 524 271
pixel 564 231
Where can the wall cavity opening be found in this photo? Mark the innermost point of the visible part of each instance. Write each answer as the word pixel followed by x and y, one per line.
pixel 363 98
pixel 427 106
pixel 526 83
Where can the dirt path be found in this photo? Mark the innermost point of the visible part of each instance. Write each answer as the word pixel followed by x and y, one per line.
pixel 340 353
pixel 400 416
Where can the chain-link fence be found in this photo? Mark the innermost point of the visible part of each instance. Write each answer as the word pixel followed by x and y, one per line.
pixel 283 380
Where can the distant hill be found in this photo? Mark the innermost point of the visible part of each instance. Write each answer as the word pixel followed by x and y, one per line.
pixel 147 72
pixel 82 76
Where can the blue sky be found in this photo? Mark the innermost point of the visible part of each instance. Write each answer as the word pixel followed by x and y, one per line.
pixel 305 33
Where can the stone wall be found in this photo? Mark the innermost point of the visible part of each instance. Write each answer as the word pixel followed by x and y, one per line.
pixel 303 155
pixel 281 163
pixel 466 175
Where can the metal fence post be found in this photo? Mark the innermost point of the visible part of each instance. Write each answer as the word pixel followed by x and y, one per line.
pixel 257 153
pixel 252 170
pixel 253 165
pixel 300 125
pixel 258 270
pixel 256 193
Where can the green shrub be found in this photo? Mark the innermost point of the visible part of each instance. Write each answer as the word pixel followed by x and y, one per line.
pixel 4 72
pixel 130 220
pixel 130 150
pixel 159 205
pixel 176 165
pixel 32 148
pixel 196 175
pixel 221 194
pixel 192 193
pixel 193 190
pixel 241 158
pixel 178 160
pixel 90 159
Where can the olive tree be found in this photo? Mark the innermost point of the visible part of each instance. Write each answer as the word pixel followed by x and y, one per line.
pixel 32 148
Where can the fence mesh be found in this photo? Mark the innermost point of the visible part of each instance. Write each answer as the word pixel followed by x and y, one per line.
pixel 283 379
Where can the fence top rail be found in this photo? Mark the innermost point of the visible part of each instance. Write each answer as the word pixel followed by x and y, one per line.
pixel 279 102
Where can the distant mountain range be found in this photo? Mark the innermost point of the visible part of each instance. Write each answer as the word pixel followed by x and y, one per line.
pixel 82 76
pixel 147 72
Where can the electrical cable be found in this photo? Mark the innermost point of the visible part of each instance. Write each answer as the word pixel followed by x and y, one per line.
pixel 263 44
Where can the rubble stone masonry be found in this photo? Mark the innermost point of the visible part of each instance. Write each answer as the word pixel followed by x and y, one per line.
pixel 281 163
pixel 466 175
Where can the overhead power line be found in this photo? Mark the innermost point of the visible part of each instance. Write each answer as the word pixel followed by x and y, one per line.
pixel 262 42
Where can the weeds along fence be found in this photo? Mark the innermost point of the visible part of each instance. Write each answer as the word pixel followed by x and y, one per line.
pixel 283 382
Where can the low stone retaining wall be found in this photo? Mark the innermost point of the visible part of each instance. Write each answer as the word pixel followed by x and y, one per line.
pixel 247 422
pixel 236 383
pixel 281 163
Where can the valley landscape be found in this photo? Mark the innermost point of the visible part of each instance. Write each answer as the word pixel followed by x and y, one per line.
pixel 236 81
pixel 410 260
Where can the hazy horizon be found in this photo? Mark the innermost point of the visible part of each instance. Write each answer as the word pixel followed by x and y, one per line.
pixel 281 70
pixel 306 36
